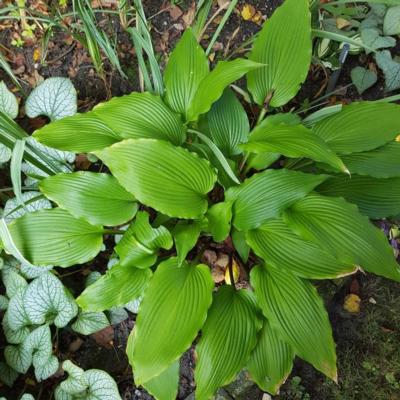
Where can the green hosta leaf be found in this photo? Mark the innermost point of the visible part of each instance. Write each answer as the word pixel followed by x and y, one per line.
pixel 214 84
pixel 172 312
pixel 165 385
pixel 284 45
pixel 97 197
pixel 382 162
pixel 54 97
pixel 219 220
pixel 39 344
pixel 46 300
pixel 291 141
pixel 360 127
pixel 7 374
pixel 277 244
pixel 33 202
pixel 140 243
pixel 390 68
pixel 17 317
pixel 170 179
pixel 376 198
pixel 8 102
pixel 261 161
pixel 267 194
pixel 73 241
pixel 271 361
pixel 295 309
pixel 186 68
pixel 120 118
pixel 19 358
pixel 227 123
pixel 117 287
pixel 240 244
pixel 185 236
pixel 363 78
pixel 391 23
pixel 228 337
pixel 90 322
pixel 340 228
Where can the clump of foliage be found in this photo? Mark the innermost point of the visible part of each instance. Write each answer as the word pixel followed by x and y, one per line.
pixel 187 167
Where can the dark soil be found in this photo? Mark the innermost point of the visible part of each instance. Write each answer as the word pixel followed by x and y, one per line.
pixel 65 58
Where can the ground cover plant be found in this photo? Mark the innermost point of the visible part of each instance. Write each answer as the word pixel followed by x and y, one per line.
pixel 184 167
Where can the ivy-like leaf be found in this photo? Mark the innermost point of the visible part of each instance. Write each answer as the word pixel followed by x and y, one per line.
pixel 8 102
pixel 13 282
pixel 228 337
pixel 96 197
pixel 17 318
pixel 73 240
pixel 54 97
pixel 140 243
pixel 170 179
pixel 90 322
pixel 284 46
pixel 46 300
pixel 14 336
pixel 294 308
pixel 183 292
pixel 266 194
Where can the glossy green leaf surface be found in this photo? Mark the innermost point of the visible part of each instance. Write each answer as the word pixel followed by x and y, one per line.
pixel 96 197
pixel 284 46
pixel 120 118
pixel 291 141
pixel 213 85
pixel 279 245
pixel 140 243
pixel 227 339
pixel 170 179
pixel 185 236
pixel 227 123
pixel 119 286
pixel 360 127
pixel 376 198
pixel 73 240
pixel 219 220
pixel 271 361
pixel 186 68
pixel 266 194
pixel 294 308
pixel 341 229
pixel 173 310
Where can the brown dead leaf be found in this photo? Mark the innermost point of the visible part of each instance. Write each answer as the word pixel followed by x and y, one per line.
pixel 175 13
pixel 209 257
pixel 82 162
pixel 218 274
pixel 105 337
pixel 352 303
pixel 75 345
pixel 188 17
pixel 342 23
pixel 104 3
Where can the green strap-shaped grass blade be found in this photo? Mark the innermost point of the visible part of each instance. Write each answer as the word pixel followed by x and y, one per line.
pixel 96 197
pixel 295 309
pixel 277 244
pixel 360 127
pixel 265 195
pixel 120 285
pixel 292 141
pixel 376 198
pixel 137 115
pixel 170 179
pixel 55 237
pixel 186 68
pixel 173 310
pixel 284 46
pixel 271 361
pixel 339 227
pixel 228 337
pixel 214 84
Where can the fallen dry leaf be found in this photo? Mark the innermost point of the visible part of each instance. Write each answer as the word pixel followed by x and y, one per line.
pixel 82 162
pixel 105 337
pixel 249 13
pixel 188 18
pixel 352 303
pixel 36 55
pixel 342 23
pixel 235 272
pixel 175 13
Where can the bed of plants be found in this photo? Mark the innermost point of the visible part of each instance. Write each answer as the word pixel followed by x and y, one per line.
pixel 179 168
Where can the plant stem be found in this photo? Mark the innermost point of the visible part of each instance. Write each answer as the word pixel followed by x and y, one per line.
pixel 113 232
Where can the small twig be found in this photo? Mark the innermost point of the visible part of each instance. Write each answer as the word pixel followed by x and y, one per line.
pixel 62 55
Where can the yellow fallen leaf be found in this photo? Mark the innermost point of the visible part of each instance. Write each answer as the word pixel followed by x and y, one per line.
pixel 36 55
pixel 352 303
pixel 248 12
pixel 235 272
pixel 342 23
pixel 398 138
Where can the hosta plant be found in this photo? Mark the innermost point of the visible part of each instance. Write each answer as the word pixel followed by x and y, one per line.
pixel 290 199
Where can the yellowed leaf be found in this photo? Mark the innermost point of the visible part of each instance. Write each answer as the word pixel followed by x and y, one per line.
pixel 352 303
pixel 342 23
pixel 235 272
pixel 398 138
pixel 36 55
pixel 248 11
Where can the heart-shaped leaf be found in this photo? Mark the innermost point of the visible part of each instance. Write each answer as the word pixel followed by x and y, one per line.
pixel 391 23
pixel 363 78
pixel 90 322
pixel 8 102
pixel 390 68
